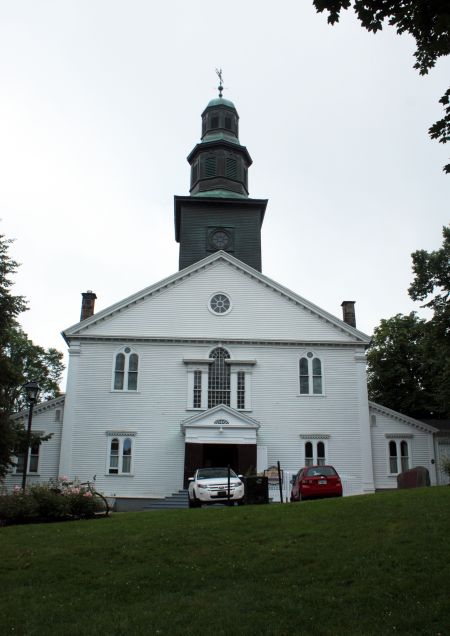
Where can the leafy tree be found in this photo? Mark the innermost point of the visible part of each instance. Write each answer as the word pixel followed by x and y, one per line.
pixel 428 21
pixel 396 372
pixel 432 273
pixel 20 361
pixel 409 358
pixel 432 283
pixel 28 361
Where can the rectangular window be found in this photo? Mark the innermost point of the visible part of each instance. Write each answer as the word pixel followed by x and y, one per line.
pixel 120 455
pixel 20 458
pixel 197 402
pixel 33 460
pixel 241 390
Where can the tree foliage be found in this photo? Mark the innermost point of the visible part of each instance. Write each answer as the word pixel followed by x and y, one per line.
pixel 20 361
pixel 432 276
pixel 409 358
pixel 428 21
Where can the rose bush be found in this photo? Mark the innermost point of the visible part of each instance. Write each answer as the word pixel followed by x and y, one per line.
pixel 58 500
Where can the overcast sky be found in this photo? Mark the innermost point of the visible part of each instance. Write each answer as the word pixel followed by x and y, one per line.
pixel 100 104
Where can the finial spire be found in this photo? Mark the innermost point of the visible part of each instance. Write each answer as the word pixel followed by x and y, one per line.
pixel 219 75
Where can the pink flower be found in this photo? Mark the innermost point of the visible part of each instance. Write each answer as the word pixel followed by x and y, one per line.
pixel 64 478
pixel 87 494
pixel 17 489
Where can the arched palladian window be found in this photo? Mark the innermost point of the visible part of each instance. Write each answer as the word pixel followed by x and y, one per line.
pixel 310 370
pixel 398 449
pixel 126 370
pixel 219 378
pixel 315 454
pixel 120 456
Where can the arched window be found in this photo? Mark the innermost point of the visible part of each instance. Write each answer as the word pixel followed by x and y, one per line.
pixel 398 455
pixel 126 370
pixel 126 455
pixel 310 372
pixel 120 455
pixel 309 457
pixel 315 453
pixel 219 378
pixel 404 455
pixel 393 463
pixel 320 452
pixel 114 457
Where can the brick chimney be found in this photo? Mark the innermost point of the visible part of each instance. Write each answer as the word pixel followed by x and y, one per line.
pixel 348 312
pixel 87 304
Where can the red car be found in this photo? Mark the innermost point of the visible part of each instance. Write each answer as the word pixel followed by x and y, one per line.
pixel 312 482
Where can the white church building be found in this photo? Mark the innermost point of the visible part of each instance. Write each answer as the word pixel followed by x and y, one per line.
pixel 219 364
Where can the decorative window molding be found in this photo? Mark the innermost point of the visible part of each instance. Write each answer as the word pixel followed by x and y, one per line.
pixel 398 435
pixel 121 433
pixel 310 374
pixel 120 453
pixel 125 370
pixel 315 436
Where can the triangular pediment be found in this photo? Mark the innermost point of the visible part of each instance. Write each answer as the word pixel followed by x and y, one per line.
pixel 177 308
pixel 379 409
pixel 220 417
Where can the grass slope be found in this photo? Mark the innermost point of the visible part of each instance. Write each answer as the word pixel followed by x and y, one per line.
pixel 362 565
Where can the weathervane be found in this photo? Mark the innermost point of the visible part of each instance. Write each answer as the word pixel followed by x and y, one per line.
pixel 219 75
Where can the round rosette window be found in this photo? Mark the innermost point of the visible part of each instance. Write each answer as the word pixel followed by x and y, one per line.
pixel 220 304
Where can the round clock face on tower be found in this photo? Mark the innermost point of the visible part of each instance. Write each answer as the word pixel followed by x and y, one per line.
pixel 220 239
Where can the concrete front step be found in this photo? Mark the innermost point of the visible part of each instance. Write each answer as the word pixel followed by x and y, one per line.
pixel 177 500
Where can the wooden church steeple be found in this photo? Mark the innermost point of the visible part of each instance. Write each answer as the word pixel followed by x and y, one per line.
pixel 218 214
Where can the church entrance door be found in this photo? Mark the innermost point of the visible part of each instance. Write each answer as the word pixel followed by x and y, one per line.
pixel 240 457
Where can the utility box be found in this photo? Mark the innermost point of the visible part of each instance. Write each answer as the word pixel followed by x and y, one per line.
pixel 256 490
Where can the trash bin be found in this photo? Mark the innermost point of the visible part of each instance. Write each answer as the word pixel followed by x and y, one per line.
pixel 256 490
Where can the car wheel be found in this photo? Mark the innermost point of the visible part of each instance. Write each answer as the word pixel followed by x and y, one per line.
pixel 240 502
pixel 193 503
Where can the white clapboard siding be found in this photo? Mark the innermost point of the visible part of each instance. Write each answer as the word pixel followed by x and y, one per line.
pixel 181 310
pixel 47 418
pixel 419 439
pixel 154 412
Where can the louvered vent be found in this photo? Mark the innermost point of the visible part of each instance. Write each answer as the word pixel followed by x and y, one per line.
pixel 228 123
pixel 194 173
pixel 231 168
pixel 210 167
pixel 214 122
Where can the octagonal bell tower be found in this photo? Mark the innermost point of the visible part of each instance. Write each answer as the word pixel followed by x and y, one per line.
pixel 218 214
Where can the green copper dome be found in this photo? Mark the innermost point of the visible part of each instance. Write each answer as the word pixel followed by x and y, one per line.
pixel 220 101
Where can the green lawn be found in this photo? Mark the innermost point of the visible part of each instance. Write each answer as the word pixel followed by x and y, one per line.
pixel 377 564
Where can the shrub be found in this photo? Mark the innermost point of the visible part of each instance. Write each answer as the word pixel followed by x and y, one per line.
pixel 17 508
pixel 445 465
pixel 50 504
pixel 83 504
pixel 53 501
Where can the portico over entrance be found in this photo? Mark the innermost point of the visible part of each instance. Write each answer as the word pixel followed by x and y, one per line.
pixel 218 437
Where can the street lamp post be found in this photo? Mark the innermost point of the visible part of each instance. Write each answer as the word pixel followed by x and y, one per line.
pixel 31 389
